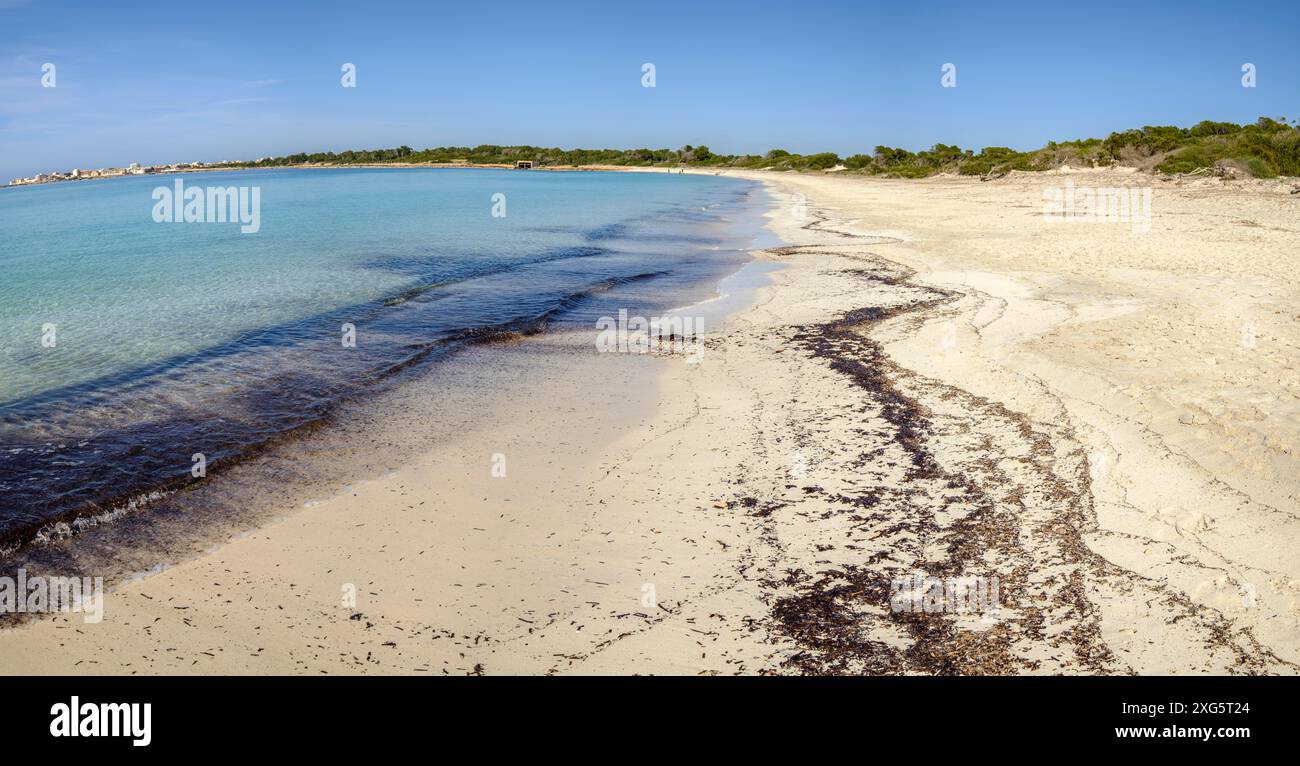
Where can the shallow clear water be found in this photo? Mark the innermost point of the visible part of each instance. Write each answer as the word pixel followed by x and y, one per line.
pixel 174 339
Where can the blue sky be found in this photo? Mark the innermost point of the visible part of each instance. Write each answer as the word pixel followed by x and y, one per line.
pixel 167 82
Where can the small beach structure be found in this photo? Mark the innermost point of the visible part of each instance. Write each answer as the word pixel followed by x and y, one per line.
pixel 523 164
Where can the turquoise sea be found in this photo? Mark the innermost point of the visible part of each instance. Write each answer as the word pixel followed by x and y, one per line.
pixel 127 346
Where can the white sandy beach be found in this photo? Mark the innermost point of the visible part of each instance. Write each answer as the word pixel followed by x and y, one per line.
pixel 937 380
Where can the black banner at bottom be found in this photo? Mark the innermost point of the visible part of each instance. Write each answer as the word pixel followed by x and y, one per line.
pixel 331 715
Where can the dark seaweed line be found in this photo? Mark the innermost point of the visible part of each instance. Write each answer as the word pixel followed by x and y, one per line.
pixel 513 329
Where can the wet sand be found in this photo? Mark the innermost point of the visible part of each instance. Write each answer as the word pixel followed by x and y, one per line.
pixel 936 380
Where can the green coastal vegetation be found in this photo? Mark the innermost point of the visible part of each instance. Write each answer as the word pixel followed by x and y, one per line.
pixel 1266 148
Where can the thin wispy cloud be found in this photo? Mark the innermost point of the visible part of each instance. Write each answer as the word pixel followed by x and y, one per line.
pixel 235 101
